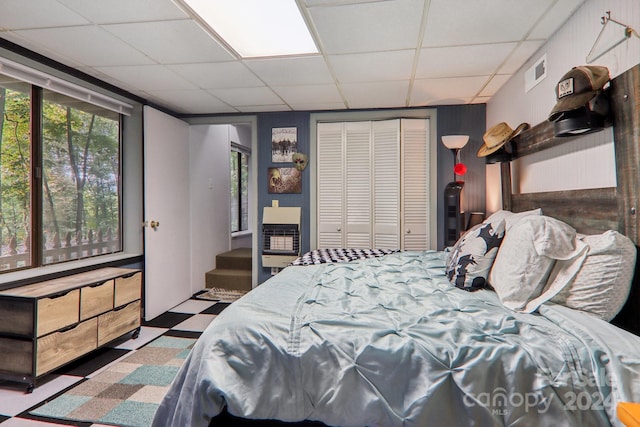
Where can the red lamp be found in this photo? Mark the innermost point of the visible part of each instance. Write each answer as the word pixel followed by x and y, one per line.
pixel 459 169
pixel 455 143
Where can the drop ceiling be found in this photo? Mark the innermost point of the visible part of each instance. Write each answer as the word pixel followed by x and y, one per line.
pixel 373 54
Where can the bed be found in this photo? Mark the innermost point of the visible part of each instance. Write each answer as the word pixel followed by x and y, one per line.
pixel 389 342
pixel 396 340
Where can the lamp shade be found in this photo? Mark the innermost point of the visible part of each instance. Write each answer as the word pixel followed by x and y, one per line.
pixel 455 142
pixel 475 218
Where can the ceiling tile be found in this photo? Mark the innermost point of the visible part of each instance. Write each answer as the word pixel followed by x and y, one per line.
pixel 558 14
pixel 291 71
pixel 519 56
pixel 376 95
pixel 452 101
pixel 334 2
pixel 461 22
pixel 381 25
pixel 446 90
pixel 218 75
pixel 376 66
pixel 481 99
pixel 494 84
pixel 192 101
pixel 312 106
pixel 17 38
pixel 309 94
pixel 148 77
pixel 104 77
pixel 247 96
pixel 88 45
pixel 171 42
pixel 106 12
pixel 23 14
pixel 455 61
pixel 263 108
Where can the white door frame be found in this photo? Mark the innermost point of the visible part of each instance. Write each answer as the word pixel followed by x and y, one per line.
pixel 253 191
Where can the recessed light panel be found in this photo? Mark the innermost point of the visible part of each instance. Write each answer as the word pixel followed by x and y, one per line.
pixel 257 28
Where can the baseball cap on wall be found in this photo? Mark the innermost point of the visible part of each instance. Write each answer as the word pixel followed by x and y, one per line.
pixel 577 87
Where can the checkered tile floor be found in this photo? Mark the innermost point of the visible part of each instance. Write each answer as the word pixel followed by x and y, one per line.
pixel 188 320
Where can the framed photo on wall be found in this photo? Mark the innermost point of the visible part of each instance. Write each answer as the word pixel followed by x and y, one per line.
pixel 284 142
pixel 284 181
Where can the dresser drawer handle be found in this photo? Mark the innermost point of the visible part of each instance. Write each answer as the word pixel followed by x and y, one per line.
pixel 126 276
pixel 59 295
pixel 95 285
pixel 68 328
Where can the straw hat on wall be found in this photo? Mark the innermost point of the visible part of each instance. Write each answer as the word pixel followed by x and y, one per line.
pixel 499 135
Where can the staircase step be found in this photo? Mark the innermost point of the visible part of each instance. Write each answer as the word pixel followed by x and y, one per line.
pixel 228 279
pixel 235 259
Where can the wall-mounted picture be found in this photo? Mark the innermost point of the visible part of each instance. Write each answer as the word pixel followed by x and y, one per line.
pixel 284 180
pixel 284 142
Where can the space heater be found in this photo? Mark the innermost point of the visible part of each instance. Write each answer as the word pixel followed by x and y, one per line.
pixel 454 212
pixel 280 236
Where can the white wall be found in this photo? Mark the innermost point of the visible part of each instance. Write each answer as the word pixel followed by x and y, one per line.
pixel 588 161
pixel 209 205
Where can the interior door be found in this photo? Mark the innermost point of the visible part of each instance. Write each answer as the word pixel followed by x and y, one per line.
pixel 415 188
pixel 330 185
pixel 166 202
pixel 386 183
pixel 358 184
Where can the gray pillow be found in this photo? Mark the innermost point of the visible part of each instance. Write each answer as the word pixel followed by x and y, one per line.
pixel 471 258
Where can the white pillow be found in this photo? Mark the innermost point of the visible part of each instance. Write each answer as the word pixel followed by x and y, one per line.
pixel 510 218
pixel 529 251
pixel 602 285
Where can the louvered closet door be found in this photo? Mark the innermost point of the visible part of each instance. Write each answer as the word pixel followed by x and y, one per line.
pixel 386 184
pixel 415 188
pixel 330 185
pixel 358 184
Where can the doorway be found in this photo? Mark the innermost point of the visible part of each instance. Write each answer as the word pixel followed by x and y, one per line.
pixel 223 202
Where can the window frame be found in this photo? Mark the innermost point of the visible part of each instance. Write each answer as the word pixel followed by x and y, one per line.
pixel 40 163
pixel 240 150
pixel 131 185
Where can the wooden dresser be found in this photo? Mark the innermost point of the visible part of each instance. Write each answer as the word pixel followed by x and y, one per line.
pixel 48 324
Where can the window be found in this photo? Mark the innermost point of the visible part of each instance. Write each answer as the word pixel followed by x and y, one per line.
pixel 60 177
pixel 80 179
pixel 239 188
pixel 15 175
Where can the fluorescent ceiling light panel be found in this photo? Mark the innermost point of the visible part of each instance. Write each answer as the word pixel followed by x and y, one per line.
pixel 257 28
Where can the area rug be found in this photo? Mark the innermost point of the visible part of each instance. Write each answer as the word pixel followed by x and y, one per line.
pixel 126 393
pixel 222 295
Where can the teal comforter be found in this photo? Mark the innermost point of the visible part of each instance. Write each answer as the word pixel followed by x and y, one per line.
pixel 389 342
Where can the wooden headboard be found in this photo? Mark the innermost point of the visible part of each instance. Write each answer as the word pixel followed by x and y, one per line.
pixel 593 211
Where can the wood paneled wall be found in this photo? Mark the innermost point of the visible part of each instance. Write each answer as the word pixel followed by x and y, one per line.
pixel 595 210
pixel 591 210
